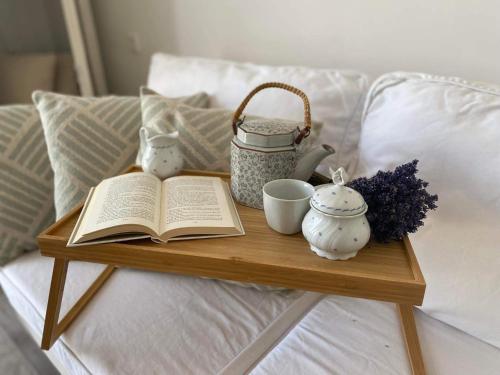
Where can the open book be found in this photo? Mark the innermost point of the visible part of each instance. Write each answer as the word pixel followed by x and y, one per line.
pixel 139 205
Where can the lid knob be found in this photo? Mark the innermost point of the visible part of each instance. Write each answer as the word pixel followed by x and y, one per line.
pixel 340 176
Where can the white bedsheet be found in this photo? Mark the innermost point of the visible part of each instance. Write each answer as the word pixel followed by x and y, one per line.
pixel 146 322
pixel 152 323
pixel 353 336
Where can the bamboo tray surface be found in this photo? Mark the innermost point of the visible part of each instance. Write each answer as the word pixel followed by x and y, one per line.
pixel 383 271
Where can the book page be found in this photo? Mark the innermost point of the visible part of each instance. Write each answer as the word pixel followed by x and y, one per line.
pixel 129 199
pixel 191 201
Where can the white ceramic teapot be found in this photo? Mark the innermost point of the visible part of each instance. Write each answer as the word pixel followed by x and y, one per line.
pixel 264 150
pixel 336 226
pixel 161 156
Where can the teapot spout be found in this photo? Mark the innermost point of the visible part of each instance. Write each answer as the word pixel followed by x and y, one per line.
pixel 308 162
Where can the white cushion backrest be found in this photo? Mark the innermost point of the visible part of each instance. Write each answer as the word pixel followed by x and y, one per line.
pixel 453 128
pixel 336 97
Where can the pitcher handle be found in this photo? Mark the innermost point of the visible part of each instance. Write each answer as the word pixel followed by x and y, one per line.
pixel 143 137
pixel 307 108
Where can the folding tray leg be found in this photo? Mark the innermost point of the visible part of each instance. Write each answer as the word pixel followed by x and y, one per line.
pixel 411 339
pixel 53 328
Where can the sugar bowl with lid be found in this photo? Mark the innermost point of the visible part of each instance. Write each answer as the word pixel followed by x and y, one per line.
pixel 336 226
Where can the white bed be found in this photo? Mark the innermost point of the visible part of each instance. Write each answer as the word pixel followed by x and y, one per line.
pixel 183 325
pixel 144 322
pixel 353 336
pixel 171 324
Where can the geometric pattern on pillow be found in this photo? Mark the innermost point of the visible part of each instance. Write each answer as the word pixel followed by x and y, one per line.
pixel 88 139
pixel 204 137
pixel 155 109
pixel 26 181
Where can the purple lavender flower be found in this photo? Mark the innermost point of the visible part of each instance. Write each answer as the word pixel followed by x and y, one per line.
pixel 397 201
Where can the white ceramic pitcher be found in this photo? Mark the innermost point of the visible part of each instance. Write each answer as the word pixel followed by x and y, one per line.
pixel 161 154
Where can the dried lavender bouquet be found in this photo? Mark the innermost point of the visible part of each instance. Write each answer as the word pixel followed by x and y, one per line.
pixel 397 201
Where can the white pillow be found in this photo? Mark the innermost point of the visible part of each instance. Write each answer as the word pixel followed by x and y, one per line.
pixel 336 96
pixel 453 128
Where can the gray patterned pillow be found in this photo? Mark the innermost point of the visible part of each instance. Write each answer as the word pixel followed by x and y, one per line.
pixel 88 139
pixel 26 181
pixel 204 134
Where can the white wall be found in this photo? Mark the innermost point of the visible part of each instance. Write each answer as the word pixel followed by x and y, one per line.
pixel 449 37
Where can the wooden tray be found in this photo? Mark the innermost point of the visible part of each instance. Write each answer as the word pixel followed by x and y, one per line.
pixel 386 272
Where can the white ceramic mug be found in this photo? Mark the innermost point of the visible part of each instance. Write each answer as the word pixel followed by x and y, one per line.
pixel 286 202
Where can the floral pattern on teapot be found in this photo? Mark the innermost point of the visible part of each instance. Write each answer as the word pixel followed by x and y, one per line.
pixel 270 127
pixel 250 170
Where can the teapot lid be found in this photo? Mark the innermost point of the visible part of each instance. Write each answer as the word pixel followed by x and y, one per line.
pixel 267 132
pixel 338 200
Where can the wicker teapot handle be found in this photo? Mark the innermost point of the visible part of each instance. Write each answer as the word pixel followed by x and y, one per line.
pixel 307 108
